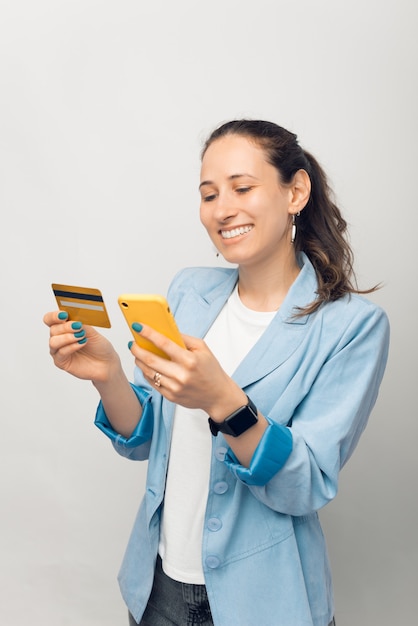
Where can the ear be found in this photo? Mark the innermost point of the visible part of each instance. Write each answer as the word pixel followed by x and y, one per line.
pixel 300 188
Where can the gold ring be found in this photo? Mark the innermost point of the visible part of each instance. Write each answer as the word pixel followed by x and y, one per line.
pixel 157 379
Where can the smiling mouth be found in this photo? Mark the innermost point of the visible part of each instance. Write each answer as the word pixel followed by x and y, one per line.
pixel 235 232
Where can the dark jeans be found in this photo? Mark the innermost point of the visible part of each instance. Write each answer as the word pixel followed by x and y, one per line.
pixel 176 604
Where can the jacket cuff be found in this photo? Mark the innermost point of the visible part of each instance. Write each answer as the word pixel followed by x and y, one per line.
pixel 269 457
pixel 143 430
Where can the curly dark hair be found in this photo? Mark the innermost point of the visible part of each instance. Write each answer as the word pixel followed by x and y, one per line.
pixel 321 229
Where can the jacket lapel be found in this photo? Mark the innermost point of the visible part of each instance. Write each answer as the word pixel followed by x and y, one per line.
pixel 285 332
pixel 283 335
pixel 205 305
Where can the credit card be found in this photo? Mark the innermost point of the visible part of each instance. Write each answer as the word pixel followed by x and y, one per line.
pixel 82 304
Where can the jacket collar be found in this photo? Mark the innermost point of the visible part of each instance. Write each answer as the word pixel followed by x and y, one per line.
pixel 283 334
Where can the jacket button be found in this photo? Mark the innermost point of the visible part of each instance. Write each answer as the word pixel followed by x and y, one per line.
pixel 212 562
pixel 220 487
pixel 220 453
pixel 214 524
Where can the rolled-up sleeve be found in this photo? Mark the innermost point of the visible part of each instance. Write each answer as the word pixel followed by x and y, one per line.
pixel 269 457
pixel 143 430
pixel 327 422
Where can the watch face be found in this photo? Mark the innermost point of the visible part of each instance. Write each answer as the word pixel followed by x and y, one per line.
pixel 239 422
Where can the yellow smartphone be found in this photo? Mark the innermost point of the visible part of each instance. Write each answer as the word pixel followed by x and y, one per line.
pixel 153 310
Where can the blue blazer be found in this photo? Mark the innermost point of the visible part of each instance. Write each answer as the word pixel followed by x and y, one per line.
pixel 315 378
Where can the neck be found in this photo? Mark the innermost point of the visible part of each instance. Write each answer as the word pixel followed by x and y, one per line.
pixel 265 288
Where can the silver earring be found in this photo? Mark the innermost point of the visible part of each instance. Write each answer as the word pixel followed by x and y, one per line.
pixel 293 237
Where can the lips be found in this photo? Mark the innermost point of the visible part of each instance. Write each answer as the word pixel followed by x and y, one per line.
pixel 235 232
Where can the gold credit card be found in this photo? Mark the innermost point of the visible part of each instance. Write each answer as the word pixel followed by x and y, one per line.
pixel 82 304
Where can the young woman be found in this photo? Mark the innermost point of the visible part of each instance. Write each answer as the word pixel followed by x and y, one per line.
pixel 246 430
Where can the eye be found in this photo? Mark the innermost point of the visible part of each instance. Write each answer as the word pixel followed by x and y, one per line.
pixel 242 190
pixel 209 197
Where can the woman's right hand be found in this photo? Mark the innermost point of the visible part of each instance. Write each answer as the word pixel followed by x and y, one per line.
pixel 89 356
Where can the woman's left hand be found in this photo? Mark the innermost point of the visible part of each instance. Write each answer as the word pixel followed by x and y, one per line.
pixel 192 378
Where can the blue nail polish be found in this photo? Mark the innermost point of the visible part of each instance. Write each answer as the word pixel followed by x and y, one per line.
pixel 130 344
pixel 80 334
pixel 76 325
pixel 137 327
pixel 83 340
pixel 62 315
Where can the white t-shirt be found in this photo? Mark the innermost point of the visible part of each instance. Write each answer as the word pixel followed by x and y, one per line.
pixel 230 338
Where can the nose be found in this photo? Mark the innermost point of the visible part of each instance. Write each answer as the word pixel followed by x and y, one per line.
pixel 225 207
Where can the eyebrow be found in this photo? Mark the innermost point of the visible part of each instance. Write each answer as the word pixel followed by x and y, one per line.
pixel 232 177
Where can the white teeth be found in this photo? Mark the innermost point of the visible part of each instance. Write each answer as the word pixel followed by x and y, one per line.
pixel 229 234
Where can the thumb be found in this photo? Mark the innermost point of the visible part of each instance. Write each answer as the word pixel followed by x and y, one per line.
pixel 192 343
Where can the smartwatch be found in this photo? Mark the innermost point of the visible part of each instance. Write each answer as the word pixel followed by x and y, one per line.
pixel 237 423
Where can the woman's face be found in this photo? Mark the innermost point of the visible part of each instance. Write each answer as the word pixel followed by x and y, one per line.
pixel 244 207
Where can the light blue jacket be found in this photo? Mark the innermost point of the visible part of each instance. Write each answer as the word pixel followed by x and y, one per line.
pixel 316 379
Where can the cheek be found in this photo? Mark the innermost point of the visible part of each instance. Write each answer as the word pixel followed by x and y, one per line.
pixel 205 216
pixel 202 216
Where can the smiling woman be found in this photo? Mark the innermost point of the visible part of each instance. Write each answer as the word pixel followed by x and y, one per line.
pixel 247 211
pixel 246 430
pixel 276 167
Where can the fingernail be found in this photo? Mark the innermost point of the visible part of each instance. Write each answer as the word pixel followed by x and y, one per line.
pixel 76 325
pixel 130 344
pixel 137 327
pixel 83 340
pixel 62 315
pixel 80 334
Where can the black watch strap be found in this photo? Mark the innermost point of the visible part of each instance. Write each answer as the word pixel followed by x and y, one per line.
pixel 237 423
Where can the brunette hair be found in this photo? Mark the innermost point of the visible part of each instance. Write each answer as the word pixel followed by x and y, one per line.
pixel 321 229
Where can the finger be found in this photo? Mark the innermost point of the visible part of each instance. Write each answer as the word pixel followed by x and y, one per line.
pixel 193 343
pixel 149 363
pixel 60 349
pixel 65 334
pixel 169 347
pixel 55 317
pixel 60 343
pixel 62 328
pixel 158 371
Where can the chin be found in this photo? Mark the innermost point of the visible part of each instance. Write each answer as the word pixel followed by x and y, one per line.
pixel 235 259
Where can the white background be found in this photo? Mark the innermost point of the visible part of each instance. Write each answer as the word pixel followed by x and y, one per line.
pixel 103 110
